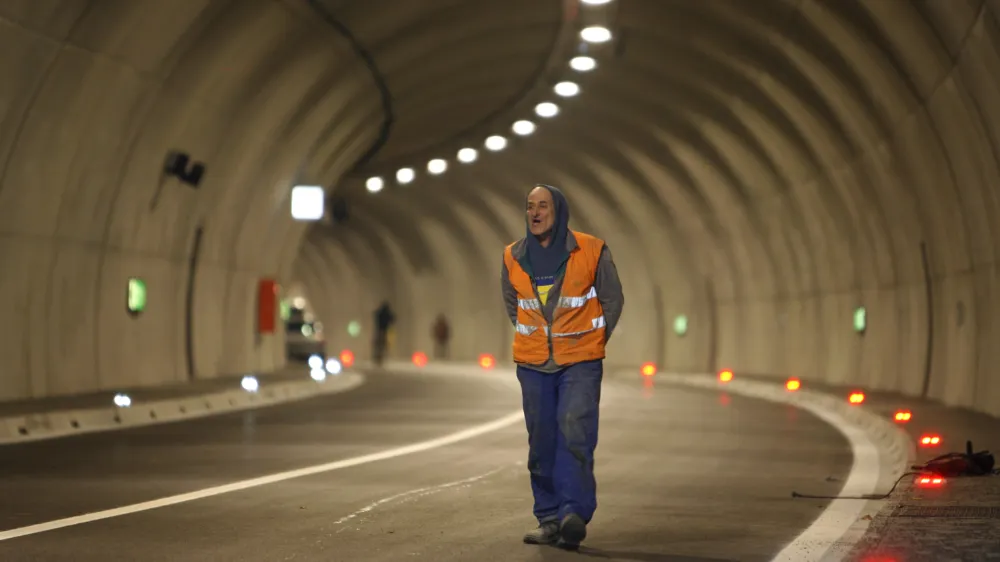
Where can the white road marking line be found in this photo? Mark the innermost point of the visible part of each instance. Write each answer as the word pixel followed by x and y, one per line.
pixel 456 437
pixel 417 493
pixel 840 514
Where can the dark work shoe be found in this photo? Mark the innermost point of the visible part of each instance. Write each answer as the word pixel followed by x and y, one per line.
pixel 546 533
pixel 572 531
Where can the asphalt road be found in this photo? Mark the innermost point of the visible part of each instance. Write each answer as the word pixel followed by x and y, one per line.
pixel 682 475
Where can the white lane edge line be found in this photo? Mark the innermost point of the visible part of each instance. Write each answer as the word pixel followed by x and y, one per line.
pixel 841 514
pixel 836 520
pixel 418 492
pixel 456 437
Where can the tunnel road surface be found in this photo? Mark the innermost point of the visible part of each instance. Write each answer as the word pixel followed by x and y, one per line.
pixel 683 474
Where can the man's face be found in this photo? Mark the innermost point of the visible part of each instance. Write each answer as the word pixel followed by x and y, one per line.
pixel 541 211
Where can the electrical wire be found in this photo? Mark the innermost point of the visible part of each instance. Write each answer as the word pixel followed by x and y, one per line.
pixel 861 497
pixel 995 472
pixel 924 469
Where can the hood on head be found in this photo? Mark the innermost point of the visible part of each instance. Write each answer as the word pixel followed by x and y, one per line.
pixel 548 260
pixel 560 222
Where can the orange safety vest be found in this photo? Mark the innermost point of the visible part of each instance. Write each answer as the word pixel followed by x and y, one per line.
pixel 577 330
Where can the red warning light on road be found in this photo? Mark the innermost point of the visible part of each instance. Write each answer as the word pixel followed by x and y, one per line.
pixel 793 384
pixel 648 369
pixel 347 358
pixel 856 397
pixel 419 358
pixel 930 481
pixel 902 416
pixel 486 361
pixel 725 375
pixel 930 440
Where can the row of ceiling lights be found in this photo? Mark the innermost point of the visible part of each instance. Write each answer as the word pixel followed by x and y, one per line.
pixel 523 127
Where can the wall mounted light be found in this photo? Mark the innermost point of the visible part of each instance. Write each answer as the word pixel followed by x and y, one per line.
pixel 179 165
pixel 860 319
pixel 307 202
pixel 135 300
pixel 681 325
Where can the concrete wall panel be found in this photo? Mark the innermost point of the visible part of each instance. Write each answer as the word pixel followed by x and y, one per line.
pixel 93 97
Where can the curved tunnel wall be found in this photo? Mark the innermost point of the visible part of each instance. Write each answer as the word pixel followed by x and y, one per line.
pixel 762 167
pixel 92 97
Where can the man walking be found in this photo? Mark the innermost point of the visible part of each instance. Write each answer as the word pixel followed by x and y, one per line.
pixel 441 332
pixel 384 319
pixel 563 295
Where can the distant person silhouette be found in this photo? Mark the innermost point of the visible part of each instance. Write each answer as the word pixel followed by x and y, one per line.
pixel 384 320
pixel 441 333
pixel 563 295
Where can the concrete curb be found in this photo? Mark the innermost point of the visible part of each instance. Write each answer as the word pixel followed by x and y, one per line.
pixel 51 425
pixel 895 447
pixel 897 450
pixel 893 441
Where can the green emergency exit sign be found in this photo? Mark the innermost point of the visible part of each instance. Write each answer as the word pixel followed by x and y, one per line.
pixel 136 295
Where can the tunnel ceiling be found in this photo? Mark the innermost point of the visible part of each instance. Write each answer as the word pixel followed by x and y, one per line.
pixel 765 158
pixel 719 115
pixel 447 65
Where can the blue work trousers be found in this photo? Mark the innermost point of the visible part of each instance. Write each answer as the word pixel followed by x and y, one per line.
pixel 561 412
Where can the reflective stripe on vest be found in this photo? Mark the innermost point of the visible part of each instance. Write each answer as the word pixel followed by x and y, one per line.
pixel 564 302
pixel 574 332
pixel 596 323
pixel 529 304
pixel 577 302
pixel 526 330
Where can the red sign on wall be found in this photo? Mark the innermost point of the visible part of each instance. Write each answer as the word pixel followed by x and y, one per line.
pixel 267 306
